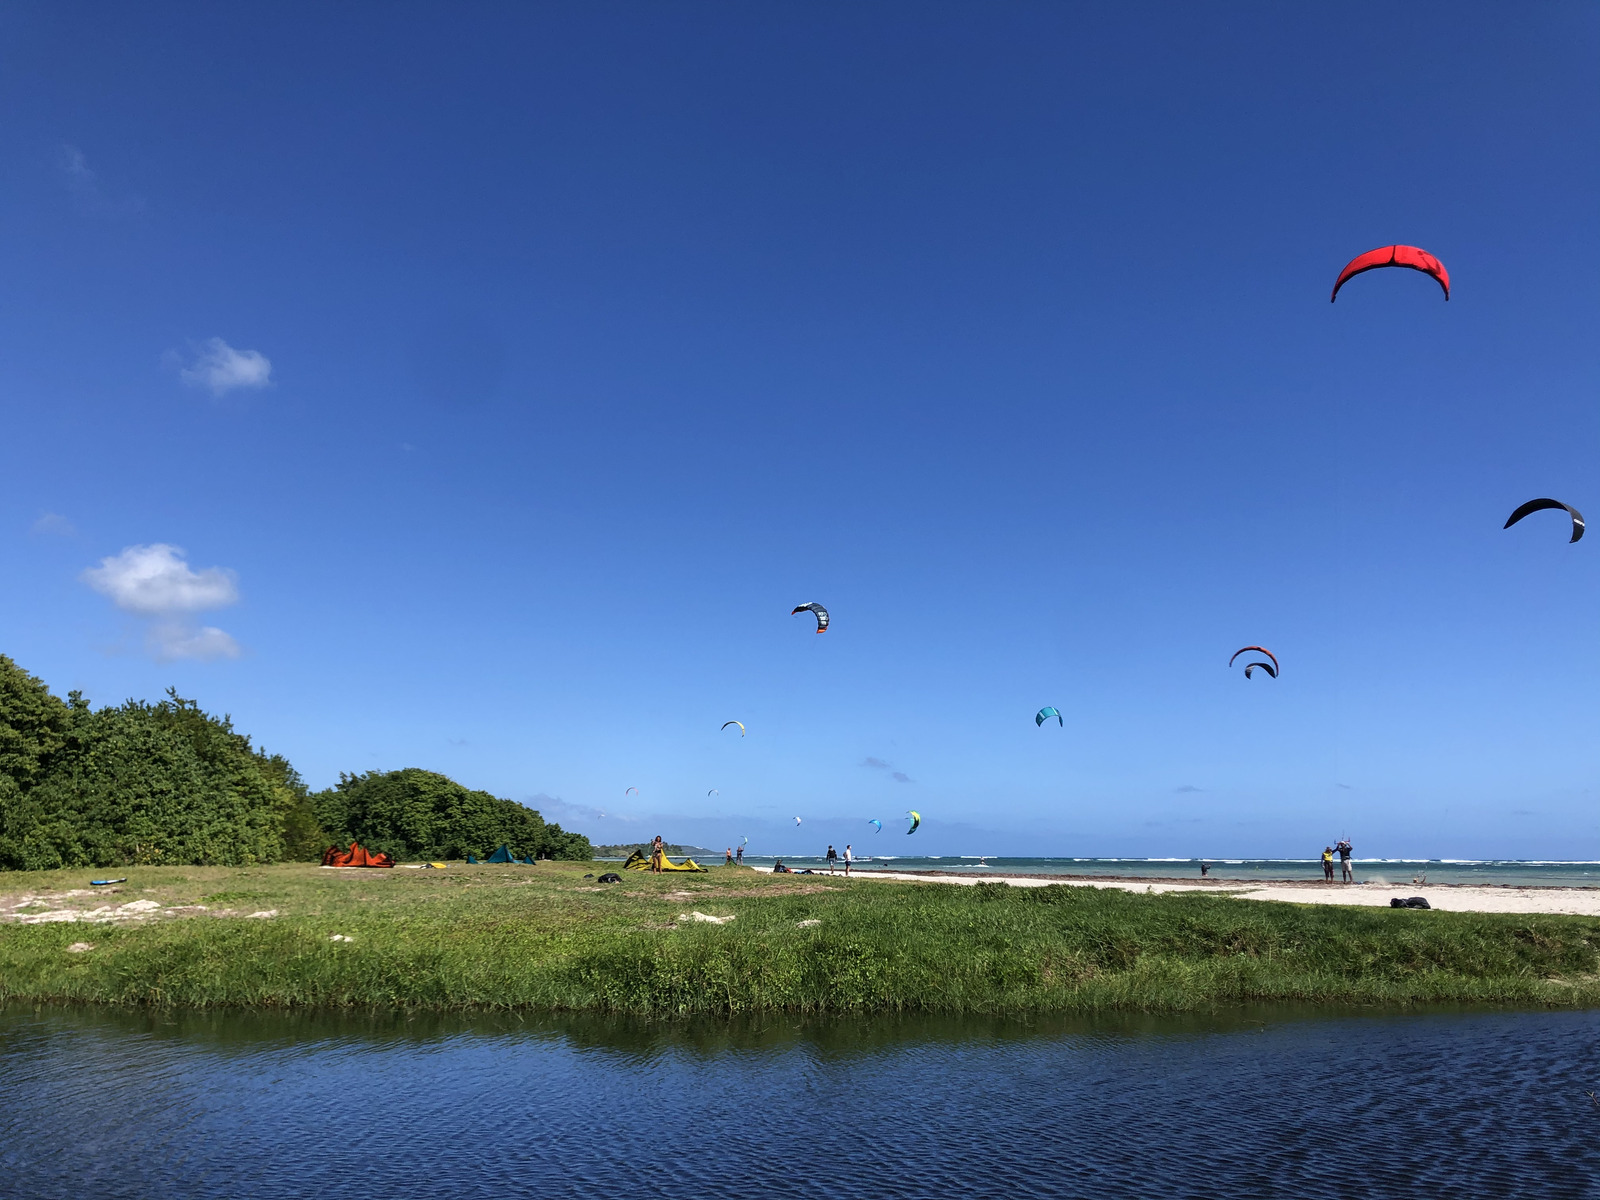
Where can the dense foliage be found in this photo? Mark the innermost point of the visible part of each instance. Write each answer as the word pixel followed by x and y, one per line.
pixel 167 783
pixel 138 783
pixel 420 814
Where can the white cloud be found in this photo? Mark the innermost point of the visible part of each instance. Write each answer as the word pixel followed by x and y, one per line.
pixel 168 640
pixel 155 581
pixel 220 368
pixel 54 523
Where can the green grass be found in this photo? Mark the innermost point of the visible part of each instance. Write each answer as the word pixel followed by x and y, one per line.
pixel 543 938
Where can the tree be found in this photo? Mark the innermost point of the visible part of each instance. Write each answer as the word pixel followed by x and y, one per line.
pixel 420 814
pixel 32 725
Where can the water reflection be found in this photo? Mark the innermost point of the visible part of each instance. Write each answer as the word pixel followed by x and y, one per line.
pixel 1268 1102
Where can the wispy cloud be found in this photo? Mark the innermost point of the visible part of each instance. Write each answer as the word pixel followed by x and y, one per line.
pixel 877 764
pixel 157 583
pixel 169 640
pixel 85 188
pixel 220 369
pixel 1188 787
pixel 53 524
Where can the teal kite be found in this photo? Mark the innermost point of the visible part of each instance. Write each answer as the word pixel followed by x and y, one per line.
pixel 1044 714
pixel 876 824
pixel 916 820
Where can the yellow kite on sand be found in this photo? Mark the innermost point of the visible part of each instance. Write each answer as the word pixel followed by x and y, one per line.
pixel 640 861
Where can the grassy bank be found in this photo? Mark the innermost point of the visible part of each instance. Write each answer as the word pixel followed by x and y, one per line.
pixel 544 938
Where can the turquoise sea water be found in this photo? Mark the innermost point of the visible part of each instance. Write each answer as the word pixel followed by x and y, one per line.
pixel 1506 872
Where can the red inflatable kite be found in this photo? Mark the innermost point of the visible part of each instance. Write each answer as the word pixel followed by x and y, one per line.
pixel 357 856
pixel 1394 256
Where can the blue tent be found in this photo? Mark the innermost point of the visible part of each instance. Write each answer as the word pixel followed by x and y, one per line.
pixel 473 859
pixel 502 855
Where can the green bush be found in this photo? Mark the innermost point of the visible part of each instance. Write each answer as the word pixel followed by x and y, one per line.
pixel 139 783
pixel 421 814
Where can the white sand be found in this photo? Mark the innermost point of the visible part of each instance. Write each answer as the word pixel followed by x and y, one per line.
pixel 1583 902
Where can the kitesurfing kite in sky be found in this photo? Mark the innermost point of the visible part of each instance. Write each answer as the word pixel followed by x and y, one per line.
pixel 797 820
pixel 740 724
pixel 635 791
pixel 1394 256
pixel 821 614
pixel 877 825
pixel 712 792
pixel 1044 714
pixel 1533 506
pixel 1272 670
pixel 916 820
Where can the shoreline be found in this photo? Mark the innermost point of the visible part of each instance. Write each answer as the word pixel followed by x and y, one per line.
pixel 1554 899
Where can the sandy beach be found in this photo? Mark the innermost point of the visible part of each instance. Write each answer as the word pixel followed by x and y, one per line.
pixel 1573 901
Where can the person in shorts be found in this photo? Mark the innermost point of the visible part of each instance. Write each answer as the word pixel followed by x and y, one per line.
pixel 847 857
pixel 1346 870
pixel 833 860
pixel 1327 864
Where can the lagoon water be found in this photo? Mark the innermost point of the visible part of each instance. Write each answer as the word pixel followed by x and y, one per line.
pixel 1272 1103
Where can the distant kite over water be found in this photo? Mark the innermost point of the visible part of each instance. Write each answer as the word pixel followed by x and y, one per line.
pixel 740 724
pixel 1044 714
pixel 820 612
pixel 1394 256
pixel 797 820
pixel 877 825
pixel 712 792
pixel 1533 506
pixel 916 820
pixel 634 791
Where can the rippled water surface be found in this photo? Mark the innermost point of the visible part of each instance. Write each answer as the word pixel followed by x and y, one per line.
pixel 1271 1105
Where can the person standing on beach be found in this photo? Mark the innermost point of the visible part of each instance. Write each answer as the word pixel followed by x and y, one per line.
pixel 833 860
pixel 1345 869
pixel 1205 869
pixel 738 855
pixel 1327 864
pixel 658 854
pixel 728 858
pixel 847 861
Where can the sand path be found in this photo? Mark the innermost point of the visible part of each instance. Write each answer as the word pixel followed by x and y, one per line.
pixel 1575 901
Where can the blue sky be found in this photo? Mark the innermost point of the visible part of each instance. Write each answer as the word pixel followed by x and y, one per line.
pixel 479 387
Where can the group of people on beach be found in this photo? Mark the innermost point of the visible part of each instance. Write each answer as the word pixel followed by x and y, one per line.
pixel 734 857
pixel 1343 849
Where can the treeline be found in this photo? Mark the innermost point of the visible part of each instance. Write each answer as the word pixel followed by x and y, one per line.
pixel 418 814
pixel 142 783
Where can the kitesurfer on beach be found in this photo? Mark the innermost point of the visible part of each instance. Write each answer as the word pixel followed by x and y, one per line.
pixel 658 854
pixel 728 857
pixel 1327 864
pixel 1345 869
pixel 738 855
